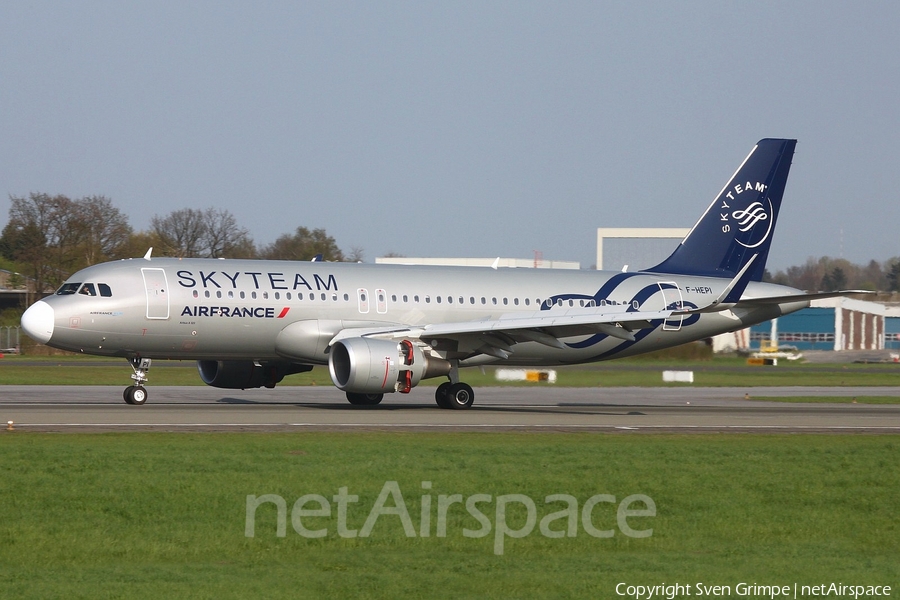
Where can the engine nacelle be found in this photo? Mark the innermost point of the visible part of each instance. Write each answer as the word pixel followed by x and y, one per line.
pixel 370 366
pixel 243 374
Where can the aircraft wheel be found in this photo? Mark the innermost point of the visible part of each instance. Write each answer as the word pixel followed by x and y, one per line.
pixel 364 399
pixel 126 394
pixel 136 395
pixel 440 395
pixel 460 396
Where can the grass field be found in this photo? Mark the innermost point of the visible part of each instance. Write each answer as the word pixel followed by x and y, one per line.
pixel 715 372
pixel 164 515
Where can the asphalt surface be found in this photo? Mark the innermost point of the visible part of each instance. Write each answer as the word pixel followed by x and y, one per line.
pixel 546 408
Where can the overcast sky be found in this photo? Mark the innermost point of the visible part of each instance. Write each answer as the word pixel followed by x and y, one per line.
pixel 458 128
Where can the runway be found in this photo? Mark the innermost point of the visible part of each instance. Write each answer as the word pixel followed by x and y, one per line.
pixel 682 409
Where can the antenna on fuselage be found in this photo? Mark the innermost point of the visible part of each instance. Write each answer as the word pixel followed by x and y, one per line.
pixel 149 251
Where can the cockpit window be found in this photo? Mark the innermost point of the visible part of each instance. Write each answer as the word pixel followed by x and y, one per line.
pixel 104 290
pixel 88 290
pixel 67 289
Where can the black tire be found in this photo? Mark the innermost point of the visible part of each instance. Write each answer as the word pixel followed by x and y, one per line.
pixel 364 399
pixel 137 395
pixel 126 394
pixel 440 395
pixel 460 396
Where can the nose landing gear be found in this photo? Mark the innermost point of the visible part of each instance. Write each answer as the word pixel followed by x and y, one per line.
pixel 137 394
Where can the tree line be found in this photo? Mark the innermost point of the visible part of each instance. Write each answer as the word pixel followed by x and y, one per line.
pixel 47 238
pixel 829 274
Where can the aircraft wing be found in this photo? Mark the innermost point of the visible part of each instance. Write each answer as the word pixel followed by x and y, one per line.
pixel 496 337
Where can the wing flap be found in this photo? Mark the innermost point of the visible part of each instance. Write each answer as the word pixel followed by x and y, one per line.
pixel 497 337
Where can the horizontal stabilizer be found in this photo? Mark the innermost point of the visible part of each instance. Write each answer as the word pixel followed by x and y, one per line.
pixel 770 300
pixel 801 297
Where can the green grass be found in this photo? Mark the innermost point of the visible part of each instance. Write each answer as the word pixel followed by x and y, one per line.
pixel 156 515
pixel 717 372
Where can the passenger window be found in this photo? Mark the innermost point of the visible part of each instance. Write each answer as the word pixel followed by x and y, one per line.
pixel 88 290
pixel 105 292
pixel 68 289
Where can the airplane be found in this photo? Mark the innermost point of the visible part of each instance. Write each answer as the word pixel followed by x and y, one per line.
pixel 385 328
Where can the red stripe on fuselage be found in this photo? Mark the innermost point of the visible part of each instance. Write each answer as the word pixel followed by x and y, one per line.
pixel 284 311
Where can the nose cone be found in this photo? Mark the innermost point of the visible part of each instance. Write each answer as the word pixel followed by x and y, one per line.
pixel 38 321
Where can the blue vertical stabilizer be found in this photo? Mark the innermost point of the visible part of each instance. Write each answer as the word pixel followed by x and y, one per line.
pixel 737 227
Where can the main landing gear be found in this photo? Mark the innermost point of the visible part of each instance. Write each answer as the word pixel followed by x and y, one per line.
pixel 457 395
pixel 137 394
pixel 454 394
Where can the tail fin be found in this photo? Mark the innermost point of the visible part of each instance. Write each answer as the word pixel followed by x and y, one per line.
pixel 737 227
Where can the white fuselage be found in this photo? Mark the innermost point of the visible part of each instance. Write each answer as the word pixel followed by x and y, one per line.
pixel 206 309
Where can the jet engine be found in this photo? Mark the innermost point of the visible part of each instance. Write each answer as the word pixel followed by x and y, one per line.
pixel 243 374
pixel 370 366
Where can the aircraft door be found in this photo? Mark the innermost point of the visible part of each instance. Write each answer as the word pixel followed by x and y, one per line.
pixel 672 298
pixel 381 301
pixel 157 288
pixel 362 297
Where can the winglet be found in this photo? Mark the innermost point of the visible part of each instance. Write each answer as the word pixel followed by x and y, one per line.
pixel 149 251
pixel 732 293
pixel 496 263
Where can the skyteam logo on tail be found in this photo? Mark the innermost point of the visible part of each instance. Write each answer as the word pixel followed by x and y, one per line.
pixel 753 223
pixel 751 216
